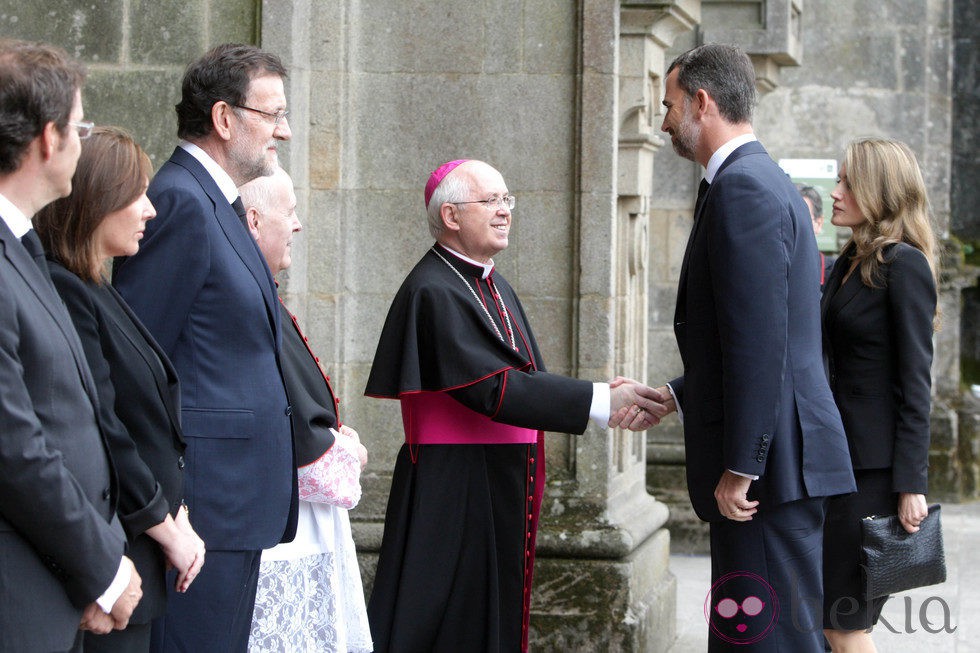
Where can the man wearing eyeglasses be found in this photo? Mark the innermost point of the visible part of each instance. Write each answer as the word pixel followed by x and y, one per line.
pixel 457 556
pixel 61 545
pixel 200 285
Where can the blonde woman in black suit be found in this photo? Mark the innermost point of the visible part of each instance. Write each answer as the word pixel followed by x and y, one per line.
pixel 104 216
pixel 878 312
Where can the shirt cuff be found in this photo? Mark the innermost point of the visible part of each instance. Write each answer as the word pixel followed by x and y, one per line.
pixel 754 477
pixel 677 404
pixel 599 411
pixel 119 583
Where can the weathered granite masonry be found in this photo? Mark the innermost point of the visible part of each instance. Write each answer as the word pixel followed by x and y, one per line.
pixel 135 51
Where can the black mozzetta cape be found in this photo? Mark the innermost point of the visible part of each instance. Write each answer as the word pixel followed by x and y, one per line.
pixel 312 401
pixel 438 338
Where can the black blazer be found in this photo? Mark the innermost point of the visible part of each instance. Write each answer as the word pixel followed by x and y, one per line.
pixel 60 545
pixel 140 405
pixel 878 346
pixel 754 394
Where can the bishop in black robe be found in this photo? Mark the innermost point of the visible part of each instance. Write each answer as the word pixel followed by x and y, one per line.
pixel 457 556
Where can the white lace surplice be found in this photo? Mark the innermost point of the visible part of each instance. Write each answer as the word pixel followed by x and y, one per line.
pixel 310 597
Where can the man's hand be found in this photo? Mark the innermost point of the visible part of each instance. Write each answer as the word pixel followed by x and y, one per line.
pixel 123 608
pixel 633 405
pixel 95 620
pixel 731 495
pixel 669 402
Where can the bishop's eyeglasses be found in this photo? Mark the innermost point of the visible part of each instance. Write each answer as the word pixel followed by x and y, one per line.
pixel 495 203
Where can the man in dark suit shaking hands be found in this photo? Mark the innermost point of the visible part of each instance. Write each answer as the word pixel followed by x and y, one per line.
pixel 763 438
pixel 200 285
pixel 61 547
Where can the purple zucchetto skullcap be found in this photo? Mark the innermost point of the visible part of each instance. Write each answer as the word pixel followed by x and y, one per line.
pixel 437 176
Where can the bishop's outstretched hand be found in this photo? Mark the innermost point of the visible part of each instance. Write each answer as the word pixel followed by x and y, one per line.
pixel 634 405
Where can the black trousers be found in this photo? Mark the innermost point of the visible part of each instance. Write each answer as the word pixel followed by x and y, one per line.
pixel 767 581
pixel 215 614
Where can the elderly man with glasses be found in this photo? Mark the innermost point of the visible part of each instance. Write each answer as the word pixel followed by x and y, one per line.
pixel 200 285
pixel 457 350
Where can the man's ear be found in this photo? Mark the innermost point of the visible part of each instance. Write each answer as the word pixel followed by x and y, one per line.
pixel 701 101
pixel 221 119
pixel 252 221
pixel 450 216
pixel 48 140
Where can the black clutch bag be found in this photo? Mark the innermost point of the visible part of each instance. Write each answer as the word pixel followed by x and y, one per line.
pixel 895 560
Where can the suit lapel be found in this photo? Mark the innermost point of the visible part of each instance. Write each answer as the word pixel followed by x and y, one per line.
pixel 238 236
pixel 122 316
pixel 48 297
pixel 752 147
pixel 835 302
pixel 680 308
pixel 831 287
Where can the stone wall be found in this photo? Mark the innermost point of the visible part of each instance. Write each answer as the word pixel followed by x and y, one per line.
pixel 135 51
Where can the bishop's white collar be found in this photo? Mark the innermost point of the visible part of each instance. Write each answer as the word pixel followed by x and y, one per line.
pixel 487 267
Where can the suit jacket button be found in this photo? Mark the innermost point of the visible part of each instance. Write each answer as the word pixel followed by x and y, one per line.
pixel 180 463
pixel 106 494
pixel 765 437
pixel 289 411
pixel 760 459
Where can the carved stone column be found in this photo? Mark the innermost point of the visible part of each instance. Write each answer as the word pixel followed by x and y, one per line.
pixel 616 593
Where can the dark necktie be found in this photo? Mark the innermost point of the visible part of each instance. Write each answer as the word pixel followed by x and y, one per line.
pixel 32 244
pixel 239 209
pixel 702 191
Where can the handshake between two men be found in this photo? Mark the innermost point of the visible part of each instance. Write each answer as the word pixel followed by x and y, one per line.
pixel 636 406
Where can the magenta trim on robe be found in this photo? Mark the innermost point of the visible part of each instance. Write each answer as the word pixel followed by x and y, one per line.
pixel 437 418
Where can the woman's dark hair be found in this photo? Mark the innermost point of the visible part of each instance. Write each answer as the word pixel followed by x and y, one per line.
pixel 112 173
